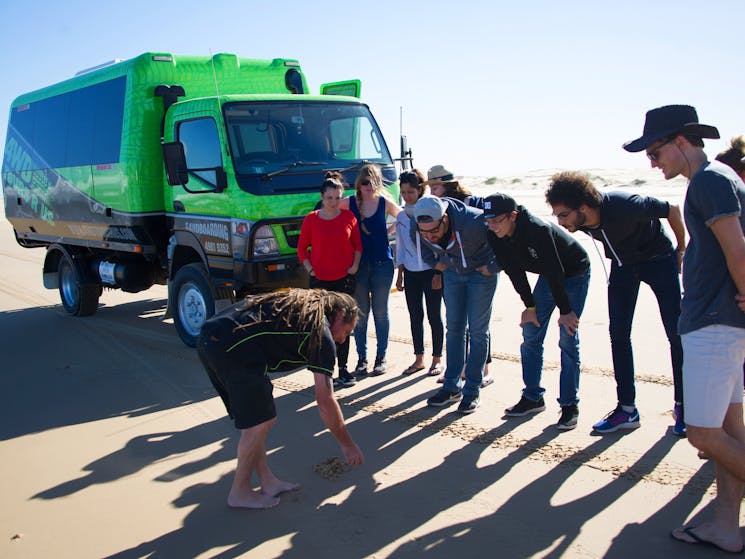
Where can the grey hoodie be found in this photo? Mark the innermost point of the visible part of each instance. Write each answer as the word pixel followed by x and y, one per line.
pixel 467 247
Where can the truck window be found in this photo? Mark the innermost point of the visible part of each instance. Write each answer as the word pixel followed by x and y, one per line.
pixel 81 127
pixel 201 147
pixel 276 146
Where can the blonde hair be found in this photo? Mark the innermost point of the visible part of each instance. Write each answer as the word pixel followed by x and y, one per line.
pixel 371 172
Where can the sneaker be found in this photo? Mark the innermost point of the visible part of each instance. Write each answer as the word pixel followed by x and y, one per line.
pixel 469 405
pixel 444 398
pixel 379 368
pixel 568 419
pixel 524 407
pixel 361 368
pixel 679 428
pixel 345 379
pixel 618 419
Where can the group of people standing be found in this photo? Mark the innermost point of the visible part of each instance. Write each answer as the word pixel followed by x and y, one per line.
pixel 451 246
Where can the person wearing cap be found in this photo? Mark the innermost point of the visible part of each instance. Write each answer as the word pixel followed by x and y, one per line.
pixel 712 326
pixel 524 243
pixel 443 184
pixel 452 239
pixel 628 225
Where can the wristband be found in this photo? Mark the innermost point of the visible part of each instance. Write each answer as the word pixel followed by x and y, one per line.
pixel 529 308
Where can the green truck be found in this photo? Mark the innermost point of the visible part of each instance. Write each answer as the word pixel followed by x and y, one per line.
pixel 188 171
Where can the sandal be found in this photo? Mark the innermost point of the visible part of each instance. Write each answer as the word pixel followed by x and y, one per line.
pixel 411 369
pixel 487 381
pixel 435 369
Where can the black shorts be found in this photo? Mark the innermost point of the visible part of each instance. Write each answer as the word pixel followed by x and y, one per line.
pixel 245 388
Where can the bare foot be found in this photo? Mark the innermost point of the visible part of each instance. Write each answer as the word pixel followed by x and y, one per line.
pixel 274 489
pixel 710 535
pixel 253 500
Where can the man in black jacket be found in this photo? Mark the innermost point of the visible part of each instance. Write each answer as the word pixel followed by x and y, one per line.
pixel 523 243
pixel 629 227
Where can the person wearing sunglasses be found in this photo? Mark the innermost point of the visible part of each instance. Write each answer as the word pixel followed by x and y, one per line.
pixel 443 184
pixel 524 243
pixel 712 325
pixel 452 239
pixel 372 205
pixel 628 225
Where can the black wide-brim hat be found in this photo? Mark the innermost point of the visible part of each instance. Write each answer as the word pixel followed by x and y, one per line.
pixel 668 121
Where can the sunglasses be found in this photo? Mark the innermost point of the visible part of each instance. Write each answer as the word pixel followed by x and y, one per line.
pixel 655 153
pixel 430 231
pixel 365 182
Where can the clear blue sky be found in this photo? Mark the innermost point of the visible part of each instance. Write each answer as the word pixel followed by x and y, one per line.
pixel 487 87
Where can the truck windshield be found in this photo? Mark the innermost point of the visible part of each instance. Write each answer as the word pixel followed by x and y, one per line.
pixel 287 146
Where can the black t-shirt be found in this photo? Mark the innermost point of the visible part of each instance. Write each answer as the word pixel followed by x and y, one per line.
pixel 248 334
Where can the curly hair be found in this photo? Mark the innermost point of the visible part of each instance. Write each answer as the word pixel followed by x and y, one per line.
pixel 572 189
pixel 733 155
pixel 303 309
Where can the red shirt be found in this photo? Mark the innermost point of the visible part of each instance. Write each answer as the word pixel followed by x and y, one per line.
pixel 333 243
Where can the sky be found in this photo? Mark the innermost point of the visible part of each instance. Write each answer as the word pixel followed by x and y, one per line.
pixel 485 88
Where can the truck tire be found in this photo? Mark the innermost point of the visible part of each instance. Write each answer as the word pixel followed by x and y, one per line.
pixel 78 298
pixel 194 302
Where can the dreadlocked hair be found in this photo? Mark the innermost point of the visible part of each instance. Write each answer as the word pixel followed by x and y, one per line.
pixel 304 310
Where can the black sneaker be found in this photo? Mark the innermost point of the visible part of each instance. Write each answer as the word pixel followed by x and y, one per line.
pixel 444 398
pixel 361 368
pixel 568 419
pixel 345 379
pixel 469 405
pixel 524 407
pixel 379 368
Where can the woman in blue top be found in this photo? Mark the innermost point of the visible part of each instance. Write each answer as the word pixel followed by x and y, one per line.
pixel 371 206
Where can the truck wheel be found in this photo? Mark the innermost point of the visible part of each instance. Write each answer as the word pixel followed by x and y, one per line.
pixel 194 299
pixel 78 299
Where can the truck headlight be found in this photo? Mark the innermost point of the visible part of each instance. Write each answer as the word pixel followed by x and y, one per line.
pixel 265 242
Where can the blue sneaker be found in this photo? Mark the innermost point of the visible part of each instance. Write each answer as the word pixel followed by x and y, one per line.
pixel 679 428
pixel 618 419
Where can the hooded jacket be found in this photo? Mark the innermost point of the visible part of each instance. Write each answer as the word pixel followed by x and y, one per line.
pixel 464 246
pixel 542 248
pixel 630 228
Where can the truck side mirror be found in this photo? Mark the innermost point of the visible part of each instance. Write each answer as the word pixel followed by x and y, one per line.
pixel 221 179
pixel 175 161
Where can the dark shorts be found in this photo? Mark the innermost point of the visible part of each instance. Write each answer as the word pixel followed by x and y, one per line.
pixel 245 389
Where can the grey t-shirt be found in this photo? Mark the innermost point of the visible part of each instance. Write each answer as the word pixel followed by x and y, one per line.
pixel 715 191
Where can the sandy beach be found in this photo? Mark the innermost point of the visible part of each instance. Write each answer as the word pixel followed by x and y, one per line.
pixel 114 444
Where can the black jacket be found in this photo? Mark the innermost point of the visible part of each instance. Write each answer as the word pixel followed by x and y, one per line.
pixel 630 228
pixel 542 248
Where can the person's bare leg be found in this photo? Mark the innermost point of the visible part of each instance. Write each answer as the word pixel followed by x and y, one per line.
pixel 251 450
pixel 271 485
pixel 724 528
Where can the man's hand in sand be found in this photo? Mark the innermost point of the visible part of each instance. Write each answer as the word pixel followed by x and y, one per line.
pixel 353 455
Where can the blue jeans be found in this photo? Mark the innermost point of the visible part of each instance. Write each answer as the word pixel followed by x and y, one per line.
pixel 531 350
pixel 468 299
pixel 373 287
pixel 661 275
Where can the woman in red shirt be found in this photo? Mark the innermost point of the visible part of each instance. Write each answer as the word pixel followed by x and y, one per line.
pixel 330 250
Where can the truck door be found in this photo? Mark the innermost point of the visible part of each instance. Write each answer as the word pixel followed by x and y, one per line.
pixel 200 207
